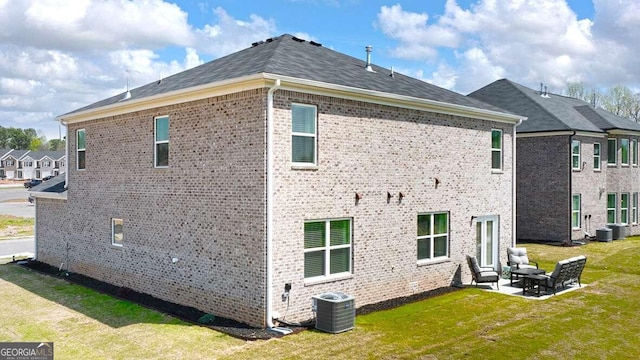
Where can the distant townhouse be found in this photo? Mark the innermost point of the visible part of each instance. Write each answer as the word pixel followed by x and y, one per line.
pixel 3 152
pixel 40 164
pixel 284 168
pixel 12 164
pixel 577 166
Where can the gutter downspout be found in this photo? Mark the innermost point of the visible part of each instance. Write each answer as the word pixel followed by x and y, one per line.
pixel 514 236
pixel 66 154
pixel 571 186
pixel 270 187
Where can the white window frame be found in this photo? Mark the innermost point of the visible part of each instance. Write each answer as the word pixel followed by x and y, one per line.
pixel 81 149
pixel 622 151
pixel 575 156
pixel 634 152
pixel 624 211
pixel 613 209
pixel 615 152
pixel 634 208
pixel 314 135
pixel 432 236
pixel 156 142
pixel 114 241
pixel 8 162
pixel 497 150
pixel 597 157
pixel 327 248
pixel 577 211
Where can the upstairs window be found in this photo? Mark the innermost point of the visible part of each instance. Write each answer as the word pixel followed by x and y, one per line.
pixel 80 155
pixel 634 152
pixel 303 134
pixel 327 248
pixel 433 236
pixel 161 150
pixel 9 162
pixel 596 156
pixel 496 149
pixel 575 155
pixel 624 149
pixel 612 151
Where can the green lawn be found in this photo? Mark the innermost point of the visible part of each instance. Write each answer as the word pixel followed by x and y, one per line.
pixel 598 321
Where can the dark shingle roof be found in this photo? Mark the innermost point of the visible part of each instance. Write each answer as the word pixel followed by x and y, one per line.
pixel 288 56
pixel 53 185
pixel 37 155
pixel 551 112
pixel 17 154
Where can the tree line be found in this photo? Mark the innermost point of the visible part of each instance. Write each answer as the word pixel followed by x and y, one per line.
pixel 619 99
pixel 27 139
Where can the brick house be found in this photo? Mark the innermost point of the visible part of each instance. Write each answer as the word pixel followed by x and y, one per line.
pixel 577 167
pixel 286 164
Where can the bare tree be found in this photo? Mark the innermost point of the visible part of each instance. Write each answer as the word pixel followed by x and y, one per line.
pixel 578 90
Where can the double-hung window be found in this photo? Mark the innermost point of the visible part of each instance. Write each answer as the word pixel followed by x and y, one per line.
pixel 575 211
pixel 634 208
pixel 327 248
pixel 575 155
pixel 596 156
pixel 303 134
pixel 624 149
pixel 612 151
pixel 116 232
pixel 81 149
pixel 624 208
pixel 161 150
pixel 496 149
pixel 433 236
pixel 634 152
pixel 612 199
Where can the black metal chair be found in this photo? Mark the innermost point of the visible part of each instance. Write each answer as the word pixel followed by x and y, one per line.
pixel 482 274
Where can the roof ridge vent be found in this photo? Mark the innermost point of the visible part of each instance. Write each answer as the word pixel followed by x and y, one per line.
pixel 297 39
pixel 314 43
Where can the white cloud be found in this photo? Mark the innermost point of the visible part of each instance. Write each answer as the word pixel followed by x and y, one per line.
pixel 525 40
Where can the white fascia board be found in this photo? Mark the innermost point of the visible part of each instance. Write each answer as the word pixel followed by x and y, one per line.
pixel 262 80
pixel 49 195
pixel 168 98
pixel 384 98
pixel 561 133
pixel 623 132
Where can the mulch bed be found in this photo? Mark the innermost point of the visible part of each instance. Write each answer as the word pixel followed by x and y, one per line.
pixel 192 315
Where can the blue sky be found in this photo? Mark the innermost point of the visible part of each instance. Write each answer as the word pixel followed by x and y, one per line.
pixel 56 56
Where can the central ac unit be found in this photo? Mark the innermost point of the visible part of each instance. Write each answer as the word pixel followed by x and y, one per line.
pixel 335 312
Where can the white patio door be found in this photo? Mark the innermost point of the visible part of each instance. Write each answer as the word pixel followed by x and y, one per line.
pixel 487 240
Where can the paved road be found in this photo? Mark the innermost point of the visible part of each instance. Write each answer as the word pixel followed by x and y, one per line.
pixel 13 202
pixel 17 247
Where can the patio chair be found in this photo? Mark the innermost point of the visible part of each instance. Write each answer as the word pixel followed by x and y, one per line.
pixel 517 258
pixel 482 274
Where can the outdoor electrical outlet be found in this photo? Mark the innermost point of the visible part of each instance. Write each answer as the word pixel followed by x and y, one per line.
pixel 287 287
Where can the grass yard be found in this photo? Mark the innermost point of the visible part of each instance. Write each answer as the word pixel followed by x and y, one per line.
pixel 14 226
pixel 598 321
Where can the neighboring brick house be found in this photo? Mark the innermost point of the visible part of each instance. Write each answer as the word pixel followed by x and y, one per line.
pixel 284 163
pixel 12 164
pixel 577 166
pixel 39 164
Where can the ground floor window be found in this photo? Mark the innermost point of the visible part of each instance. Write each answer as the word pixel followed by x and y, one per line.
pixel 624 208
pixel 116 232
pixel 634 208
pixel 433 235
pixel 575 211
pixel 612 199
pixel 327 248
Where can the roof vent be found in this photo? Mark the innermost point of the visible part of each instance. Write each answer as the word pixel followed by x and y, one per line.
pixel 369 49
pixel 297 39
pixel 314 43
pixel 127 95
pixel 544 93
